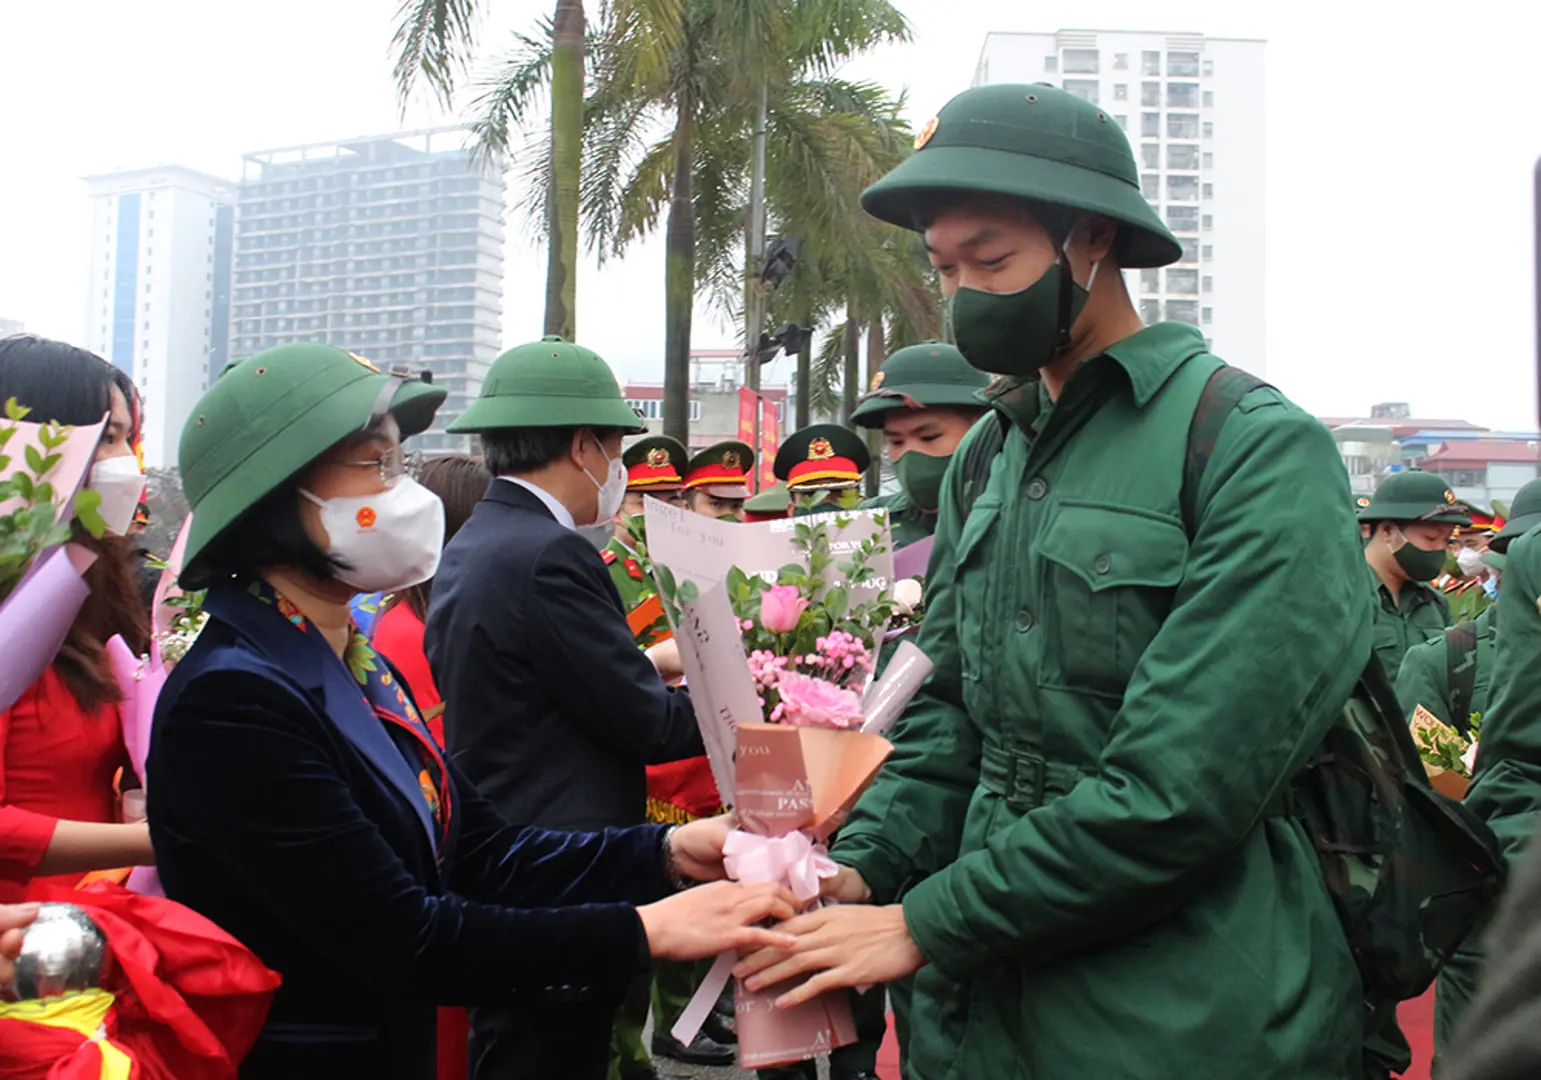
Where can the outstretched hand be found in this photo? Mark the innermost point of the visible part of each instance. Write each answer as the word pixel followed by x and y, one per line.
pixel 697 847
pixel 839 946
pixel 717 918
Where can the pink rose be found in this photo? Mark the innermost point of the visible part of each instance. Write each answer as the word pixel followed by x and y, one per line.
pixel 810 702
pixel 780 608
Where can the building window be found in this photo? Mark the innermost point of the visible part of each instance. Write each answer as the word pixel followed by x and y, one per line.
pixel 1150 94
pixel 1150 63
pixel 1150 154
pixel 1209 222
pixel 1182 188
pixel 1208 316
pixel 1182 126
pixel 1181 156
pixel 1150 184
pixel 1123 123
pixel 1182 282
pixel 1085 89
pixel 1209 283
pixel 1150 281
pixel 1182 64
pixel 1051 63
pixel 1121 61
pixel 1183 311
pixel 1209 99
pixel 1209 129
pixel 1120 91
pixel 1182 95
pixel 1209 191
pixel 1182 218
pixel 1081 62
pixel 1150 311
pixel 1209 161
pixel 1190 252
pixel 1150 125
pixel 652 408
pixel 1209 252
pixel 1209 67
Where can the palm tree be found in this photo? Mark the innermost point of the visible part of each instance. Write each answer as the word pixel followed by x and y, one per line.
pixel 434 40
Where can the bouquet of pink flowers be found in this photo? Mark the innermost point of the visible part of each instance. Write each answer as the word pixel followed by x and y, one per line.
pixel 780 665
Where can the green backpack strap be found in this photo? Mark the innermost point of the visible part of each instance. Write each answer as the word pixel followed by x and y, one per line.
pixel 1222 393
pixel 978 458
pixel 1461 670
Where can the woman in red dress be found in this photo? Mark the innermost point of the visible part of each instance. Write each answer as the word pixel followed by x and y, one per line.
pixel 61 742
pixel 458 481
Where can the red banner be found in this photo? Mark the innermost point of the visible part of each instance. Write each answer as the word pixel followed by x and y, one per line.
pixel 770 437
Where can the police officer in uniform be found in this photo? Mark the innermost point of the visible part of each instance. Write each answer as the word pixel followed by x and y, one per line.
pixel 1465 580
pixel 1411 520
pixel 654 466
pixel 1078 842
pixel 819 462
pixel 717 480
pixel 924 398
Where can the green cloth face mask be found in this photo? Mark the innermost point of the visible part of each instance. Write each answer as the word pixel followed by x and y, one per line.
pixel 1018 333
pixel 1418 564
pixel 920 475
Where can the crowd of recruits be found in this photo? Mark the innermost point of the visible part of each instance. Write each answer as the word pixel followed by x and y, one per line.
pixel 923 400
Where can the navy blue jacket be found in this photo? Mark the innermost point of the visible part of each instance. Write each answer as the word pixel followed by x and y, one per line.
pixel 550 707
pixel 282 809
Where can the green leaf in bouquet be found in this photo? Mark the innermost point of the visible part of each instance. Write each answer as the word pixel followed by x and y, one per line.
pixel 688 592
pixel 88 512
pixel 14 410
pixel 43 494
pixel 35 460
pixel 49 463
pixel 737 582
pixel 835 602
pixel 21 486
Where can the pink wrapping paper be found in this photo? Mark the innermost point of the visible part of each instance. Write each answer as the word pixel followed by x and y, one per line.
pixel 37 615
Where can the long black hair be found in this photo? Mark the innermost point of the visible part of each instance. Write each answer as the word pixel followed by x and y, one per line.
pixel 68 384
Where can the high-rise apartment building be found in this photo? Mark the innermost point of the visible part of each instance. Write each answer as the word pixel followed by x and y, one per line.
pixel 390 247
pixel 1192 107
pixel 157 301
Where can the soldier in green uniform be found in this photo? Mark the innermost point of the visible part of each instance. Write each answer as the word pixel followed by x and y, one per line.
pixel 654 466
pixel 924 398
pixel 817 463
pixel 772 503
pixel 1411 520
pixel 1449 674
pixel 717 480
pixel 1506 784
pixel 1078 841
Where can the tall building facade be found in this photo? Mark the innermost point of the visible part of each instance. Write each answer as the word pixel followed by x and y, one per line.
pixel 390 247
pixel 1192 107
pixel 157 302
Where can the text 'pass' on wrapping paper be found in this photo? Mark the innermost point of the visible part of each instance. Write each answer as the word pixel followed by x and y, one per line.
pixel 722 691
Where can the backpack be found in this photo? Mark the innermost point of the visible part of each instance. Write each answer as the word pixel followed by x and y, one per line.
pixel 1409 872
pixel 1461 672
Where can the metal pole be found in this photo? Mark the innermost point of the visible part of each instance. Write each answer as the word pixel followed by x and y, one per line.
pixel 754 288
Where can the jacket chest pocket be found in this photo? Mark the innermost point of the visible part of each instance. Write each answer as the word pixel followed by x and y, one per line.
pixel 1109 576
pixel 976 541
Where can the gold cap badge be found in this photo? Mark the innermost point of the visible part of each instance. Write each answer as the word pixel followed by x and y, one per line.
pixel 877 380
pixel 658 457
pixel 364 362
pixel 731 460
pixel 1449 496
pixel 820 449
pixel 924 135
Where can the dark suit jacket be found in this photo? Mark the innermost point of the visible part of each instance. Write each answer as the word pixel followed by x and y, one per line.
pixel 550 707
pixel 282 809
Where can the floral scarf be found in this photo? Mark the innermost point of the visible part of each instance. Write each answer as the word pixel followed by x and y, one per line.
pixel 383 693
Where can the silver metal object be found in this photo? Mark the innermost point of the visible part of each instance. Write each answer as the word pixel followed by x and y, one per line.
pixel 61 952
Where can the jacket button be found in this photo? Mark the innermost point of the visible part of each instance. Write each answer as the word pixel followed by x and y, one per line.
pixel 1103 564
pixel 1024 621
pixel 1037 488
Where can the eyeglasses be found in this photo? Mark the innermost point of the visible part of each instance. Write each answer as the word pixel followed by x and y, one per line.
pixel 392 465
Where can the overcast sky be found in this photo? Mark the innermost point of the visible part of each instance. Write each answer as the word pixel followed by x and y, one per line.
pixel 1400 155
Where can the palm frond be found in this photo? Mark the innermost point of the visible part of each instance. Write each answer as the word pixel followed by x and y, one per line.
pixel 433 40
pixel 507 98
pixel 827 374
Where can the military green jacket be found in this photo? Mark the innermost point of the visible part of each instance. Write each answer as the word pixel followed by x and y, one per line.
pixel 1425 675
pixel 1081 815
pixel 1506 785
pixel 633 585
pixel 1419 614
pixel 907 523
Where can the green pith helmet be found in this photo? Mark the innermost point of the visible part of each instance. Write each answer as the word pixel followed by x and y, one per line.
pixel 1495 559
pixel 930 375
pixel 822 457
pixel 1415 496
pixel 269 416
pixel 549 383
pixel 1524 514
pixel 774 501
pixel 656 463
pixel 1037 143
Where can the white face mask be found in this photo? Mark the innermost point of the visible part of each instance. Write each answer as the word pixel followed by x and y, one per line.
pixel 121 485
pixel 612 493
pixel 390 540
pixel 1470 562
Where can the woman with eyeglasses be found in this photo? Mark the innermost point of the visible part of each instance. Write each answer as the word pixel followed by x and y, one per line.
pixel 296 797
pixel 61 741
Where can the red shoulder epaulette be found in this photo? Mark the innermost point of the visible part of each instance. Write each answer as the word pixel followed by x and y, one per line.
pixel 607 555
pixel 634 568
